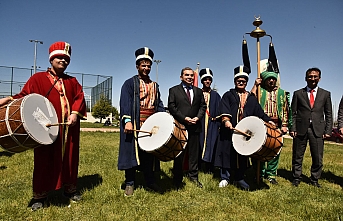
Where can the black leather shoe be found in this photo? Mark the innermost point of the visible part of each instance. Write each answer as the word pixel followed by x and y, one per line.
pixel 296 182
pixel 74 197
pixel 38 204
pixel 273 181
pixel 316 184
pixel 197 183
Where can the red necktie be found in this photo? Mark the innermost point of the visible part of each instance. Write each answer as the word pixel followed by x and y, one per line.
pixel 189 95
pixel 311 98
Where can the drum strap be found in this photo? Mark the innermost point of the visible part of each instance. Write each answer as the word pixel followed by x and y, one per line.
pixel 52 86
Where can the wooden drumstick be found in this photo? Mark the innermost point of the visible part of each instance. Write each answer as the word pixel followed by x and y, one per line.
pixel 143 131
pixel 57 124
pixel 239 131
pixel 153 130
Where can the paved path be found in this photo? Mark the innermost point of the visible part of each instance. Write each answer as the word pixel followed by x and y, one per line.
pixel 100 129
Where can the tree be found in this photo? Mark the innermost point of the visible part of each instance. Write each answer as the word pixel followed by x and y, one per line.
pixel 102 108
pixel 115 113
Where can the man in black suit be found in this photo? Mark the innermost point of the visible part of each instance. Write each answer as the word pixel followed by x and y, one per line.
pixel 187 105
pixel 312 121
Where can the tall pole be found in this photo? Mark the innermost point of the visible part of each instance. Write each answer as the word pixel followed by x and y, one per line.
pixel 198 67
pixel 157 62
pixel 258 33
pixel 35 54
pixel 258 46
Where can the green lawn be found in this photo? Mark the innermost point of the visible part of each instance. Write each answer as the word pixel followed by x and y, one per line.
pixel 100 181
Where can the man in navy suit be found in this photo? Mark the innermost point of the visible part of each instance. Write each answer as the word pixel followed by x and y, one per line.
pixel 312 121
pixel 187 105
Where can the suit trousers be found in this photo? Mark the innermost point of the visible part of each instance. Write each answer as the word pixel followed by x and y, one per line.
pixel 316 148
pixel 192 147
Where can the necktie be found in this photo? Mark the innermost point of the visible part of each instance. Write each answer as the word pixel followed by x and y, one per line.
pixel 311 98
pixel 189 95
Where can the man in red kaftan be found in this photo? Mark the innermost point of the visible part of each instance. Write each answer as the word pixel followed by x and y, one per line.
pixel 56 165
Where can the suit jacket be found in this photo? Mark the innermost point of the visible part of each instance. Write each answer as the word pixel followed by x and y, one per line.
pixel 320 114
pixel 180 108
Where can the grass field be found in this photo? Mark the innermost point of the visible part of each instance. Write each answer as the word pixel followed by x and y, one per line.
pixel 100 181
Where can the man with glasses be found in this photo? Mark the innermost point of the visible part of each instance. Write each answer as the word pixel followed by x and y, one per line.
pixel 236 104
pixel 312 121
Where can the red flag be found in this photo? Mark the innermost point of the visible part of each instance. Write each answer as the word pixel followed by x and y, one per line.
pixel 196 71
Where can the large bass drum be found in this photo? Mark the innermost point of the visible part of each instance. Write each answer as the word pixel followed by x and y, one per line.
pixel 168 137
pixel 266 139
pixel 23 123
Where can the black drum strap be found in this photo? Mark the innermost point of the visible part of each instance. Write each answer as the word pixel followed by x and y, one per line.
pixel 47 94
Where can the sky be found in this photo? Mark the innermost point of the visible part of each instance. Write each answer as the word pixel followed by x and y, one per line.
pixel 105 34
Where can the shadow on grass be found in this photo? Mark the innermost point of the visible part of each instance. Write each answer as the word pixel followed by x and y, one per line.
pixel 89 182
pixel 329 176
pixel 250 178
pixel 85 183
pixel 6 154
pixel 288 175
pixel 161 178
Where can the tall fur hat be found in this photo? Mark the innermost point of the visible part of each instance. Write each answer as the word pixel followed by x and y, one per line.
pixel 241 71
pixel 205 73
pixel 144 53
pixel 60 49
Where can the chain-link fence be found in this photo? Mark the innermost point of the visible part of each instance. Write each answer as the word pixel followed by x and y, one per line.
pixel 12 80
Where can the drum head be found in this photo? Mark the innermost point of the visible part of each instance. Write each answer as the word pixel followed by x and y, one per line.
pixel 37 112
pixel 256 128
pixel 162 126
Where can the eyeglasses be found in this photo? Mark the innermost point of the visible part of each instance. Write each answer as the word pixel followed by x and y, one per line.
pixel 63 57
pixel 312 77
pixel 241 82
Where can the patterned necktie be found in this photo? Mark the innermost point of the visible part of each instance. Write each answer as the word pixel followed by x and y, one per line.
pixel 189 95
pixel 311 98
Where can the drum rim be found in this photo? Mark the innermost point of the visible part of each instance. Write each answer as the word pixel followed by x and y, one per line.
pixel 25 125
pixel 236 134
pixel 10 131
pixel 167 140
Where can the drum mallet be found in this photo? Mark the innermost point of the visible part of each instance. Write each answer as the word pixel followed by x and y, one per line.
pixel 153 130
pixel 239 131
pixel 57 124
pixel 143 131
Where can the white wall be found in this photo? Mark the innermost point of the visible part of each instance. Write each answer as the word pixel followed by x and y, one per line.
pixel 91 119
